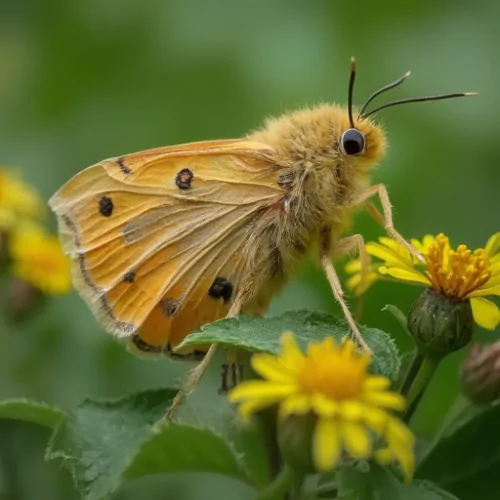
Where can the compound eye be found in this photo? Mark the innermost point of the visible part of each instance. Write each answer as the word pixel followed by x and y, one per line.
pixel 352 142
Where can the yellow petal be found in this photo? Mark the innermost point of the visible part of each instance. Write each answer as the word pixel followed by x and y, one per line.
pixel 256 389
pixel 351 409
pixel 353 266
pixel 396 432
pixel 271 367
pixel 360 286
pixel 484 292
pixel 353 282
pixel 493 244
pixel 387 255
pixel 318 352
pixel 375 418
pixel 428 240
pixel 384 456
pixel 406 459
pixel 486 313
pixel 401 253
pixel 400 442
pixel 326 445
pixel 404 456
pixel 355 438
pixel 297 404
pixel 247 408
pixel 494 269
pixel 417 244
pixel 323 406
pixel 378 383
pixel 495 258
pixel 290 351
pixel 348 348
pixel 411 275
pixel 385 399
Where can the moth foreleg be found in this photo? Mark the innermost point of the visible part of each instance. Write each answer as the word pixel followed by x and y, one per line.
pixel 355 242
pixel 338 293
pixel 381 191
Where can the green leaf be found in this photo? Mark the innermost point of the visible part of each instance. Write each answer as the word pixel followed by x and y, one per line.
pixel 31 411
pixel 466 458
pixel 102 443
pixel 379 483
pixel 97 441
pixel 178 447
pixel 263 334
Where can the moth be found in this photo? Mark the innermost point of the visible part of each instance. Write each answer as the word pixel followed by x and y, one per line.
pixel 165 240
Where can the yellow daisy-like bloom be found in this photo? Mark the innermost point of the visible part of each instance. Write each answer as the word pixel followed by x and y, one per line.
pixel 458 274
pixel 18 201
pixel 38 258
pixel 331 381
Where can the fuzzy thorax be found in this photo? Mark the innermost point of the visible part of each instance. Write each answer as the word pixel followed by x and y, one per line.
pixel 321 178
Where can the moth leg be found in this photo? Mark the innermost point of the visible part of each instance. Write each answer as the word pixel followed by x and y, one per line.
pixel 355 242
pixel 338 293
pixel 195 375
pixel 375 213
pixel 381 191
pixel 345 247
pixel 232 372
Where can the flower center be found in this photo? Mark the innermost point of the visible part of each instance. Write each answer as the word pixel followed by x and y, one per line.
pixel 337 377
pixel 456 273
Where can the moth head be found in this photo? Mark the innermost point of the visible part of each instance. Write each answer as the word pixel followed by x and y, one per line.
pixel 361 140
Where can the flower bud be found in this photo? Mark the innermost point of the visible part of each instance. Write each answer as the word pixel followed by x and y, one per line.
pixel 440 325
pixel 480 374
pixel 295 437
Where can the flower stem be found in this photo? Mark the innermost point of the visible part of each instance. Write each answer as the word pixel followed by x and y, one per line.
pixel 268 423
pixel 428 367
pixel 411 373
pixel 281 484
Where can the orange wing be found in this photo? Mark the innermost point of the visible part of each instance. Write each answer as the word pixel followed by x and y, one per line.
pixel 158 237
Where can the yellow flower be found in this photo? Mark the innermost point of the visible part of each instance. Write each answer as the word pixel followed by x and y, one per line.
pixel 332 382
pixel 18 201
pixel 38 258
pixel 458 274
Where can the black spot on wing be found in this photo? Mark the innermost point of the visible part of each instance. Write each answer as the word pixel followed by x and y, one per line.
pixel 106 206
pixel 123 167
pixel 129 277
pixel 170 307
pixel 184 178
pixel 221 288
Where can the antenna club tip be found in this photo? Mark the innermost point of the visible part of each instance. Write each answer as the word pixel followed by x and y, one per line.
pixel 353 63
pixel 466 94
pixel 407 74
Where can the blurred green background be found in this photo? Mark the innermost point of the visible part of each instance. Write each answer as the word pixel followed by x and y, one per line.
pixel 85 80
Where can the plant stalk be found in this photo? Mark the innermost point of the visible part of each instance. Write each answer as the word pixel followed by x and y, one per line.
pixel 420 383
pixel 280 486
pixel 411 372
